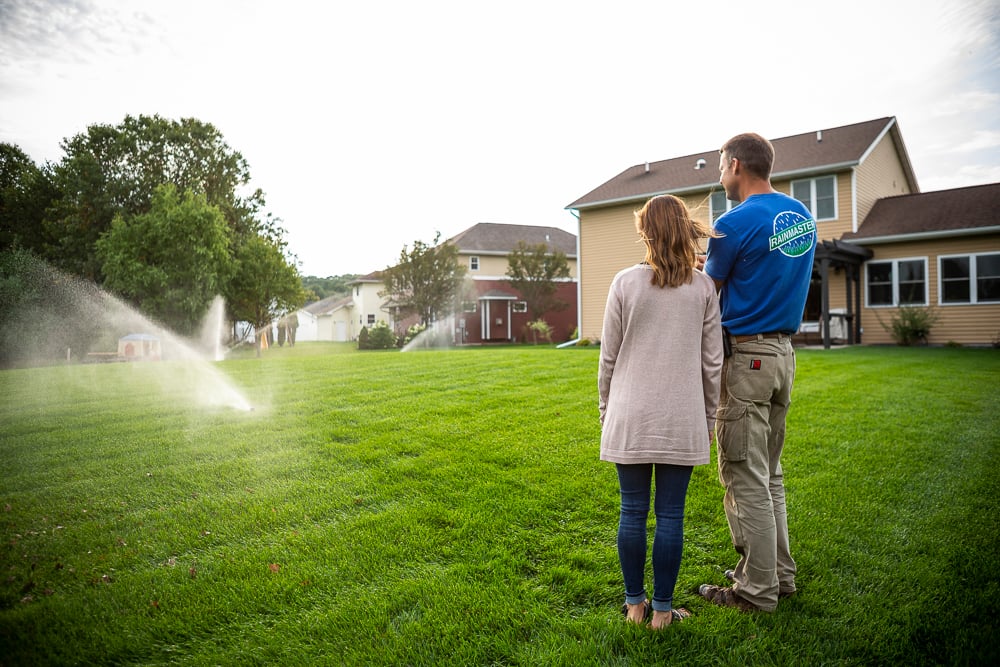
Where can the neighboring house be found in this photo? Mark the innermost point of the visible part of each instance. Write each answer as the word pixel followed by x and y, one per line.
pixel 492 310
pixel 328 319
pixel 341 318
pixel 858 182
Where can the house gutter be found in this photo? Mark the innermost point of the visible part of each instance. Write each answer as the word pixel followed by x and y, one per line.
pixel 579 281
pixel 923 236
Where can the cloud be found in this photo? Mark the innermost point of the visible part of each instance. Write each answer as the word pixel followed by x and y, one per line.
pixel 962 177
pixel 75 32
pixel 966 102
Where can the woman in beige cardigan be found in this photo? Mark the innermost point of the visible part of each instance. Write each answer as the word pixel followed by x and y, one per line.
pixel 658 384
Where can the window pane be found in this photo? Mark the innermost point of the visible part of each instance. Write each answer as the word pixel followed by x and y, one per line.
pixel 955 267
pixel 802 190
pixel 988 278
pixel 988 290
pixel 718 204
pixel 879 295
pixel 826 205
pixel 911 270
pixel 955 291
pixel 880 272
pixel 879 283
pixel 988 266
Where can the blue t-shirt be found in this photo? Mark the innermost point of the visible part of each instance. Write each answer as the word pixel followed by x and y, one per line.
pixel 765 261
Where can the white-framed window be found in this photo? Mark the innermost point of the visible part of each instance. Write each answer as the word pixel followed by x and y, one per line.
pixel 718 204
pixel 371 319
pixel 473 263
pixel 520 307
pixel 819 195
pixel 468 306
pixel 896 282
pixel 969 279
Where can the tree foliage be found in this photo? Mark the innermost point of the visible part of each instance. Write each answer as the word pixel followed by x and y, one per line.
pixel 320 288
pixel 141 258
pixel 115 170
pixel 106 186
pixel 26 191
pixel 535 271
pixel 425 281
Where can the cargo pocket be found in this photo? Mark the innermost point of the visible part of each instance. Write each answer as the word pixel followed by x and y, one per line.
pixel 732 426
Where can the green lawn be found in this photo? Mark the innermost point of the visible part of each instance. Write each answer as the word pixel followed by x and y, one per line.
pixel 448 507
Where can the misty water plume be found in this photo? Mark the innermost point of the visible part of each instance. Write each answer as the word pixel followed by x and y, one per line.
pixel 436 335
pixel 50 318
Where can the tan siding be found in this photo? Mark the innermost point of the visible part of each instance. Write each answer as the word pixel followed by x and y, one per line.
pixel 880 175
pixel 490 266
pixel 608 244
pixel 969 325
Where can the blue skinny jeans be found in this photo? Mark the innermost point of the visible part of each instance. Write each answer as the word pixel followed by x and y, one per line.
pixel 668 539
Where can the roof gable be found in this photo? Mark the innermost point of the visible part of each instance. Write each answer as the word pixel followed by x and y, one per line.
pixel 970 210
pixel 501 239
pixel 823 150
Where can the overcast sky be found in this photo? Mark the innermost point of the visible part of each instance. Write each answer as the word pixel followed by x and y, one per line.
pixel 369 125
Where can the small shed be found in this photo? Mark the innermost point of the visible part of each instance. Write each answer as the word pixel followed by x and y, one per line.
pixel 139 347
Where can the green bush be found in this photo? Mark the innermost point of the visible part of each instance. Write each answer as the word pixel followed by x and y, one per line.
pixel 911 325
pixel 363 343
pixel 381 337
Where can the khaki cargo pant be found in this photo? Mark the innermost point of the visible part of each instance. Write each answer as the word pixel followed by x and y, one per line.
pixel 756 393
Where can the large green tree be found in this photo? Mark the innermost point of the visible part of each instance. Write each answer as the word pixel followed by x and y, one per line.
pixel 115 170
pixel 170 261
pixel 535 272
pixel 426 280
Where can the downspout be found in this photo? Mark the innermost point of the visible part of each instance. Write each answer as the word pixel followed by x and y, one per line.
pixel 579 282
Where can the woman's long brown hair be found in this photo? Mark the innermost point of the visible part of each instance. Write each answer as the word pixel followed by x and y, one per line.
pixel 671 238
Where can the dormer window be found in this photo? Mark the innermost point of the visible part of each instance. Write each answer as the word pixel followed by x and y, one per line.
pixel 819 195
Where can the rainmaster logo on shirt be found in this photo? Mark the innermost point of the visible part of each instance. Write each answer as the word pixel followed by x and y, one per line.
pixel 794 234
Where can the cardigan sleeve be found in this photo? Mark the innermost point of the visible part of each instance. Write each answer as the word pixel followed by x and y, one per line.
pixel 711 357
pixel 611 340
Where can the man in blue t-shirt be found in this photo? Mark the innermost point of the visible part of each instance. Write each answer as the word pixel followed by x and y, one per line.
pixel 762 262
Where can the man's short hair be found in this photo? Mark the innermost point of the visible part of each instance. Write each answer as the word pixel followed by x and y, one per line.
pixel 755 153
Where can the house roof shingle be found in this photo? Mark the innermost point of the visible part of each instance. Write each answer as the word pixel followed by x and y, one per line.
pixel 501 239
pixel 823 150
pixel 971 210
pixel 327 305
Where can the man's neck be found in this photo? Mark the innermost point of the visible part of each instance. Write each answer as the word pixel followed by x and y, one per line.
pixel 756 187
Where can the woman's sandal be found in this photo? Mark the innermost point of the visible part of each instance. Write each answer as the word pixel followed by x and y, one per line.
pixel 677 615
pixel 646 612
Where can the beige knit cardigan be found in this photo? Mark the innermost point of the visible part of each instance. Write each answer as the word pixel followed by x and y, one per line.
pixel 659 372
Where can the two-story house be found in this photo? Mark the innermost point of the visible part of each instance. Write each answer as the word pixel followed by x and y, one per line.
pixel 874 254
pixel 341 318
pixel 492 311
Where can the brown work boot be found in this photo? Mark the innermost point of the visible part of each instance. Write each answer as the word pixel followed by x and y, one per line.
pixel 725 597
